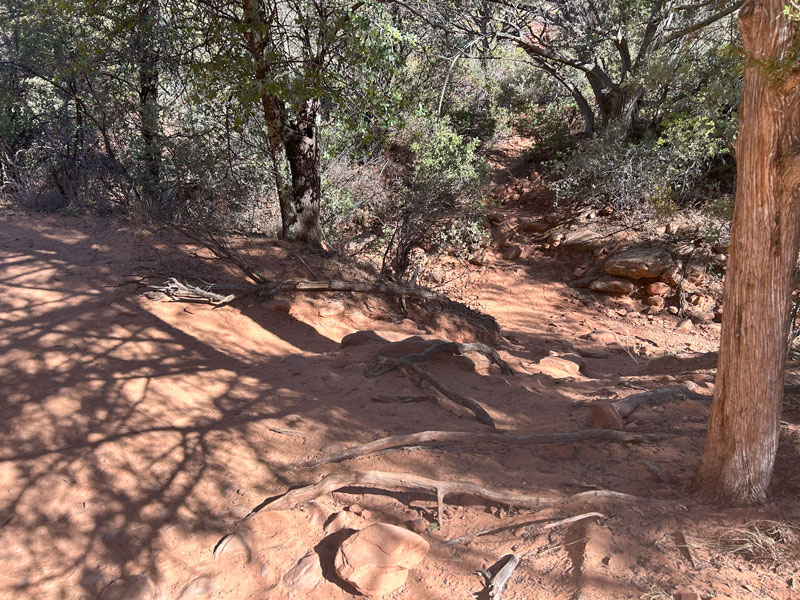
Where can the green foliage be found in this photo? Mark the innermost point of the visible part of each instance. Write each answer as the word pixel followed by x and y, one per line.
pixel 437 199
pixel 547 124
pixel 657 174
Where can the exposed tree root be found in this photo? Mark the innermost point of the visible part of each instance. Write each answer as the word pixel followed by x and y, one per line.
pixel 626 406
pixel 418 374
pixel 427 438
pixel 219 294
pixel 407 482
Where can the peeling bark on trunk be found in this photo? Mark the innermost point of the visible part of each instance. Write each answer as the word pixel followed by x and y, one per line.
pixel 303 153
pixel 273 119
pixel 742 442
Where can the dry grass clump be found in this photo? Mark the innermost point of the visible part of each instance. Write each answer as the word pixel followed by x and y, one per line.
pixel 758 541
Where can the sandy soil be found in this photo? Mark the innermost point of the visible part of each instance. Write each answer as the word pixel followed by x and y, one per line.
pixel 135 433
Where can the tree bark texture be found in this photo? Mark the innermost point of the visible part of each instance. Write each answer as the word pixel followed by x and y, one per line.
pixel 743 431
pixel 149 118
pixel 303 153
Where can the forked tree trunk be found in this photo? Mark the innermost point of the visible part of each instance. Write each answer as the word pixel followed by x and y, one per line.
pixel 742 441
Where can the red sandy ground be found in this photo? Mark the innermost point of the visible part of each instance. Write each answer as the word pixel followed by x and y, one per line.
pixel 135 433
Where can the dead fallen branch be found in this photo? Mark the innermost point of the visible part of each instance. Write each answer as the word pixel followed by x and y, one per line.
pixel 626 406
pixel 525 520
pixel 417 374
pixel 441 489
pixel 221 294
pixel 427 438
pixel 496 584
pixel 441 346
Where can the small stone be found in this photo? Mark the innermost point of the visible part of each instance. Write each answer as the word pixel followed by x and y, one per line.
pixel 132 587
pixel 306 574
pixel 377 559
pixel 684 326
pixel 721 257
pixel 355 509
pixel 608 285
pixel 606 416
pixel 655 301
pixel 673 310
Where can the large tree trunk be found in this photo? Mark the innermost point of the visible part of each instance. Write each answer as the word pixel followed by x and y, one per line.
pixel 148 58
pixel 743 431
pixel 257 36
pixel 276 139
pixel 303 152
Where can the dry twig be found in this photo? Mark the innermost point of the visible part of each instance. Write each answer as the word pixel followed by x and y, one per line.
pixel 428 438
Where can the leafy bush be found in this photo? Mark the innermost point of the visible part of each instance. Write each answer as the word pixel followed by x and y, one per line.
pixel 437 201
pixel 657 174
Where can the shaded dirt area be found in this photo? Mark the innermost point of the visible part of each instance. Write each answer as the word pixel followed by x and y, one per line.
pixel 135 433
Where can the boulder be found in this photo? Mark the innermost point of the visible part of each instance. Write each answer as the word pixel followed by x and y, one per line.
pixel 359 338
pixel 376 560
pixel 609 285
pixel 639 263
